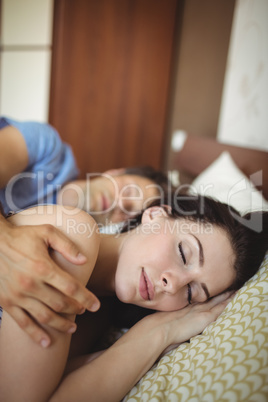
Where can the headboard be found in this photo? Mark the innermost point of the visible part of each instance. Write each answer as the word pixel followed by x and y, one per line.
pixel 197 153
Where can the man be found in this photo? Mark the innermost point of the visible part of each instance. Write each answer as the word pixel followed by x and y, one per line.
pixel 36 165
pixel 116 195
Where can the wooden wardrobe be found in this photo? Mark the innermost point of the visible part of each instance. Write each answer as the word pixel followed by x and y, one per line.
pixel 115 65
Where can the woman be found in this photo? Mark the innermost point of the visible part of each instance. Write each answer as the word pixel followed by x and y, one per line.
pixel 173 261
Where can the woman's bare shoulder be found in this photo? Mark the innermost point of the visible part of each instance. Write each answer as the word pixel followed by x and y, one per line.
pixel 50 214
pixel 75 223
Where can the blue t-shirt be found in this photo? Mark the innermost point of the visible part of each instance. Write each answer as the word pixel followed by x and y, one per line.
pixel 51 164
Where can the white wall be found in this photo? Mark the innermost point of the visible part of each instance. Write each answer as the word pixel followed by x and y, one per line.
pixel 244 111
pixel 26 40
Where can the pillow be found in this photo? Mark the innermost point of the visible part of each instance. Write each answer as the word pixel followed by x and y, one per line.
pixel 223 180
pixel 228 362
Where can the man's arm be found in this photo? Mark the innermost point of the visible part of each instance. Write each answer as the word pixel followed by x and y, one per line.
pixel 13 154
pixel 30 281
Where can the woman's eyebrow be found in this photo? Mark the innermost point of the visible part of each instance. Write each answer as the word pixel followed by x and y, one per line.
pixel 201 252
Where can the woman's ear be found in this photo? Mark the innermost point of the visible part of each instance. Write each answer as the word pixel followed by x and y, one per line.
pixel 155 212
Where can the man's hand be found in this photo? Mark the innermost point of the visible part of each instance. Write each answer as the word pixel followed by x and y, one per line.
pixel 33 289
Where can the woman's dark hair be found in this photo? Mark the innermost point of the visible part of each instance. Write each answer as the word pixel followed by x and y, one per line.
pixel 248 234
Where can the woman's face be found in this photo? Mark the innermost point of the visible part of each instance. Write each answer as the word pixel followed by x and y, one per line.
pixel 166 263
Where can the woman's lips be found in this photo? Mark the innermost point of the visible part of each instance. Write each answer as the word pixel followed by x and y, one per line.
pixel 146 287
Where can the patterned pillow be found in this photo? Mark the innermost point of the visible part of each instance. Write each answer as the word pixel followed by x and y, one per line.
pixel 228 362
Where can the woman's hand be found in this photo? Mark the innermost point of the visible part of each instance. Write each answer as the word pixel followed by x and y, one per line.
pixel 33 289
pixel 179 326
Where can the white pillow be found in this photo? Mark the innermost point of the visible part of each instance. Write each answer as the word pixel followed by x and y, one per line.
pixel 224 181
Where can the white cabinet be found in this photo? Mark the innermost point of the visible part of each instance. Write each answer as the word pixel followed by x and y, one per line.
pixel 26 40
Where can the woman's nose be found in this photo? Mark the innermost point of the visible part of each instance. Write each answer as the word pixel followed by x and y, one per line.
pixel 173 281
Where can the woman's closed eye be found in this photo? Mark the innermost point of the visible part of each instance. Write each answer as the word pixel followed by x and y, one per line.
pixel 189 289
pixel 189 294
pixel 182 254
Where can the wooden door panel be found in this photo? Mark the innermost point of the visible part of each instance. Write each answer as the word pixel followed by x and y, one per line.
pixel 111 64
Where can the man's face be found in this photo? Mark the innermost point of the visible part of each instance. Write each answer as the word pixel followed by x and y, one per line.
pixel 115 198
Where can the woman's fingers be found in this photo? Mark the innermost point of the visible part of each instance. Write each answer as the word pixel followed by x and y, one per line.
pixel 218 307
pixel 193 319
pixel 206 313
pixel 181 325
pixel 208 305
pixel 223 297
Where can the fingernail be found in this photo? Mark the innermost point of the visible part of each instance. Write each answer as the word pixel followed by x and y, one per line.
pixel 95 306
pixel 72 329
pixel 44 342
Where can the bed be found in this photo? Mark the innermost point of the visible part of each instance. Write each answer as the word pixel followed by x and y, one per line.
pixel 229 360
